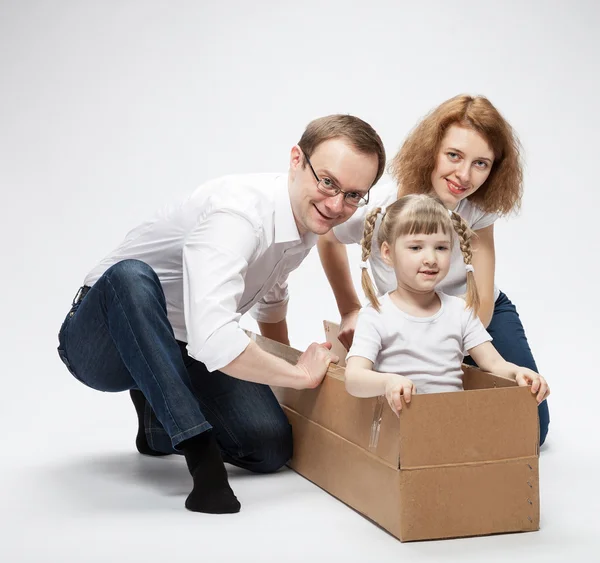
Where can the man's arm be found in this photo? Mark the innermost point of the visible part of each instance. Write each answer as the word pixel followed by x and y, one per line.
pixel 254 364
pixel 215 261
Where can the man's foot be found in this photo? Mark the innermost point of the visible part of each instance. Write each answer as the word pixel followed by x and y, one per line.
pixel 211 493
pixel 141 443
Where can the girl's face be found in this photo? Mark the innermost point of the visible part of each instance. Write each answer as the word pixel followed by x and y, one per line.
pixel 463 164
pixel 419 261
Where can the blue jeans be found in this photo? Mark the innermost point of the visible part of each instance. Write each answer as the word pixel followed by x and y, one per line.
pixel 118 338
pixel 511 342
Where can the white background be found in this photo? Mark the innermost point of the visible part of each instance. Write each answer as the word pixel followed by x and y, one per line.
pixel 109 109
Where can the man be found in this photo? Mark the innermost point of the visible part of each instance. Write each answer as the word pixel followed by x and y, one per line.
pixel 159 316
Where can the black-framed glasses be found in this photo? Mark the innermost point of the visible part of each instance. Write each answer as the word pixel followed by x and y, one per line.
pixel 327 187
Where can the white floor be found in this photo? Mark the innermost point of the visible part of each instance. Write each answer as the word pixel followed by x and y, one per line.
pixel 73 488
pixel 110 109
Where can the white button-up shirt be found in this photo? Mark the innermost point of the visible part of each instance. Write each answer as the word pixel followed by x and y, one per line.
pixel 225 250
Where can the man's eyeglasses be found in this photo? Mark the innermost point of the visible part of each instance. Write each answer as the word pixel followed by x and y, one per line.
pixel 327 187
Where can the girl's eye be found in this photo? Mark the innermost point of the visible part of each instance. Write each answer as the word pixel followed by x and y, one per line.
pixel 452 155
pixel 442 247
pixel 414 247
pixel 481 164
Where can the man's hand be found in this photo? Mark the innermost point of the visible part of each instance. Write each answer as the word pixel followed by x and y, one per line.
pixel 314 362
pixel 397 387
pixel 525 376
pixel 347 326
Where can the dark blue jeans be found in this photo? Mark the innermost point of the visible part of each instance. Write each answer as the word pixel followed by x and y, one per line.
pixel 118 338
pixel 511 342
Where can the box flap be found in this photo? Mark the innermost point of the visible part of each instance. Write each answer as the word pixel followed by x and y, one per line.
pixel 333 408
pixel 439 429
pixel 474 378
pixel 331 332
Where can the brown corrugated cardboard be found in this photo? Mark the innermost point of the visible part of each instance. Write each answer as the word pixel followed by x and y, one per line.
pixel 452 464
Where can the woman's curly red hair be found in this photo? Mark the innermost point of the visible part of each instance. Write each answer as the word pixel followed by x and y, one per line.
pixel 412 166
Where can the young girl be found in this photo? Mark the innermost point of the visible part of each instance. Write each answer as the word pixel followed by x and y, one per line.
pixel 415 338
pixel 466 154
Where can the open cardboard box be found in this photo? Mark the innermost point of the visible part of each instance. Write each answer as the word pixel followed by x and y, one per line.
pixel 452 465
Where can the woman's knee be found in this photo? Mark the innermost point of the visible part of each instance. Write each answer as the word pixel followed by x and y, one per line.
pixel 544 417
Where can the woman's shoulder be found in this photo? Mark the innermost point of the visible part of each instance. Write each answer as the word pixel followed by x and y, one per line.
pixel 475 217
pixel 351 231
pixel 383 194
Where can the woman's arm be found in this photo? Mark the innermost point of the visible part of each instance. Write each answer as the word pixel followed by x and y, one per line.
pixel 484 263
pixel 275 331
pixel 488 359
pixel 334 259
pixel 362 381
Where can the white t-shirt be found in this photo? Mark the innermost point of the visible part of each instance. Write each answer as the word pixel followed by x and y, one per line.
pixel 227 248
pixel 455 283
pixel 427 350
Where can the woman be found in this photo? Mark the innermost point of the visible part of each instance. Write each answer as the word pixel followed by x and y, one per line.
pixel 467 154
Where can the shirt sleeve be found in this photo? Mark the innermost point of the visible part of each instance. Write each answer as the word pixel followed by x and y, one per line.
pixel 474 332
pixel 216 255
pixel 272 308
pixel 367 337
pixel 351 231
pixel 483 220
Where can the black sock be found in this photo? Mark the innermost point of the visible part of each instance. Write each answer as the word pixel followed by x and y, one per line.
pixel 141 443
pixel 211 492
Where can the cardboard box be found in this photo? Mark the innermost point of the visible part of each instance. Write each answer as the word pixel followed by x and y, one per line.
pixel 452 465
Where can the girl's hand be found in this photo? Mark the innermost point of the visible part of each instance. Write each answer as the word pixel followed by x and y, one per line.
pixel 525 376
pixel 397 387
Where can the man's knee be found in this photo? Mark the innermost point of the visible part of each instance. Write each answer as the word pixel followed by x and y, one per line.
pixel 277 449
pixel 273 449
pixel 135 278
pixel 130 271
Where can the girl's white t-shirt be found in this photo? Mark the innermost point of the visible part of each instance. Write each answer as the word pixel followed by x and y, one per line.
pixel 427 350
pixel 455 283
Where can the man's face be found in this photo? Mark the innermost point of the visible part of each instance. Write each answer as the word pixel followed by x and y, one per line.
pixel 346 168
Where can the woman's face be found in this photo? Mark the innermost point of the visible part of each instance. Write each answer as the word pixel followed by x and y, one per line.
pixel 463 164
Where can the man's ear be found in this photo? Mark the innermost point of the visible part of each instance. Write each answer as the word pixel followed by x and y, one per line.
pixel 386 254
pixel 296 160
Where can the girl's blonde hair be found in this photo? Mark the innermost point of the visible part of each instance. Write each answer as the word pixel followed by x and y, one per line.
pixel 417 214
pixel 412 166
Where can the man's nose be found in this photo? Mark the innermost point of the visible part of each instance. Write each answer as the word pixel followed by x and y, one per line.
pixel 335 204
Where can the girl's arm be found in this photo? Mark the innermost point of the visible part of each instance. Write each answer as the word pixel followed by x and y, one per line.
pixel 484 263
pixel 334 259
pixel 362 381
pixel 488 359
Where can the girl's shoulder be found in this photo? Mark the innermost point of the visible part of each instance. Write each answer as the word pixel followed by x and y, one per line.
pixel 453 303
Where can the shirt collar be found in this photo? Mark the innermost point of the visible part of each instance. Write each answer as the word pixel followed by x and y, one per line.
pixel 285 224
